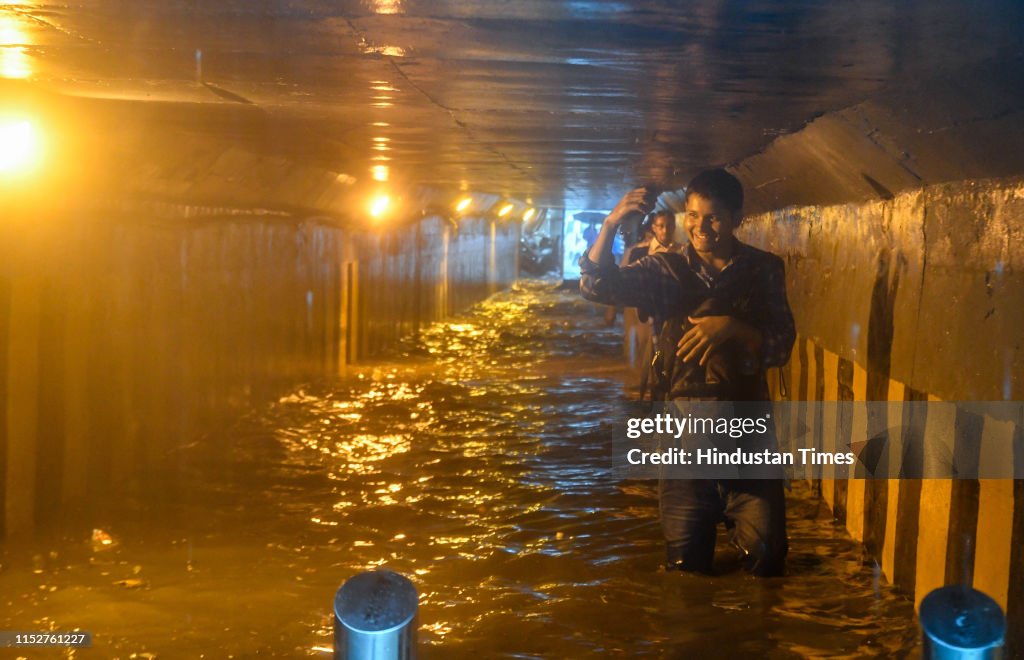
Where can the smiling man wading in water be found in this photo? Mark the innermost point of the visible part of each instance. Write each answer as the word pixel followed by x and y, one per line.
pixel 726 302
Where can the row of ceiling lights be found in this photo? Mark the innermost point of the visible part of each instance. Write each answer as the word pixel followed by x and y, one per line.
pixel 22 151
pixel 382 205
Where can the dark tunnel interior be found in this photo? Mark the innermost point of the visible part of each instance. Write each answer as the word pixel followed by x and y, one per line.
pixel 290 291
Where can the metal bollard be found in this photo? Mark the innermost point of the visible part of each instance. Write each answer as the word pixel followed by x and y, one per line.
pixel 960 622
pixel 374 617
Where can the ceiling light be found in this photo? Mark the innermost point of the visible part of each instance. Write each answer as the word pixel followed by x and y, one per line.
pixel 14 59
pixel 378 205
pixel 21 148
pixel 505 210
pixel 463 204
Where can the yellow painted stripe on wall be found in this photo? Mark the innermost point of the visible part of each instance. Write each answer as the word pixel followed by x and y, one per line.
pixel 811 413
pixel 995 517
pixel 931 537
pixel 995 527
pixel 790 372
pixel 831 376
pixel 896 393
pixel 829 423
pixel 793 371
pixel 933 524
pixel 860 383
pixel 855 487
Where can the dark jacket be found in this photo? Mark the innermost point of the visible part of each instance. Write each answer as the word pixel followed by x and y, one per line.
pixel 751 288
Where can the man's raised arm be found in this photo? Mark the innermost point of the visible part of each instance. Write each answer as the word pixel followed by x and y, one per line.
pixel 600 279
pixel 637 202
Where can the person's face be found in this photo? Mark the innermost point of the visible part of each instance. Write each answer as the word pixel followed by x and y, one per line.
pixel 663 227
pixel 709 223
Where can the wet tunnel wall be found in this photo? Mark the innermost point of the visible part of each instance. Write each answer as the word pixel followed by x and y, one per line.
pixel 125 337
pixel 916 298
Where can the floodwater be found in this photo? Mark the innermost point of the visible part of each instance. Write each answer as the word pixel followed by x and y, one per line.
pixel 476 461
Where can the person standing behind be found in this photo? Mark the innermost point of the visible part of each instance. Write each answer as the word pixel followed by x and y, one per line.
pixel 640 327
pixel 758 332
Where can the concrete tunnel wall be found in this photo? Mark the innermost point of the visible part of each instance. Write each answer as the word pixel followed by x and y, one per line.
pixel 916 298
pixel 966 126
pixel 125 336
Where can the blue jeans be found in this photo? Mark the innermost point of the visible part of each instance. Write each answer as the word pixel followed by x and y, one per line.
pixel 753 509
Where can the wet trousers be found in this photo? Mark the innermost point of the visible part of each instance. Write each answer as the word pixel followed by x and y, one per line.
pixel 754 510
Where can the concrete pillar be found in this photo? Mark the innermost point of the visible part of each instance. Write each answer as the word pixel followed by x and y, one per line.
pixel 492 260
pixel 22 404
pixel 341 319
pixel 119 350
pixel 49 441
pixel 350 313
pixel 444 307
pixel 78 343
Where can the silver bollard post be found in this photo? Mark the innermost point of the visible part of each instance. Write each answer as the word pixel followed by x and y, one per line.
pixel 375 617
pixel 960 622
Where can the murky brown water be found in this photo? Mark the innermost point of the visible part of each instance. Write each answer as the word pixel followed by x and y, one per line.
pixel 477 463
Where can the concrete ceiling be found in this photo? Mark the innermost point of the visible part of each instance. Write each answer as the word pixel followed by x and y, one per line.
pixel 559 102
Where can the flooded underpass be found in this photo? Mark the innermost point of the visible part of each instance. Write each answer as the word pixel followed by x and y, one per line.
pixel 474 460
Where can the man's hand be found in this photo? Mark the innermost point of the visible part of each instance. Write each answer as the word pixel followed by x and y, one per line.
pixel 637 201
pixel 707 334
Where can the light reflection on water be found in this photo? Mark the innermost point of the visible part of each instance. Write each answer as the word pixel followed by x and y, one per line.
pixel 476 462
